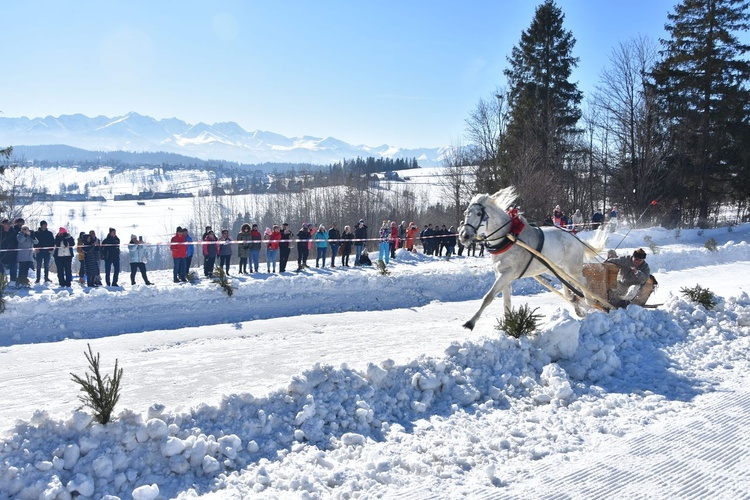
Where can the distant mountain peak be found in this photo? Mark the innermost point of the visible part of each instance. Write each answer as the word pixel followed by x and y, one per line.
pixel 220 141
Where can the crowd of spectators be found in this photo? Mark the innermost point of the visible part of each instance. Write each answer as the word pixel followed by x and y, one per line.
pixel 23 250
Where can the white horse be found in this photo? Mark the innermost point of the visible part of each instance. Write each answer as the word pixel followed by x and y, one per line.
pixel 510 260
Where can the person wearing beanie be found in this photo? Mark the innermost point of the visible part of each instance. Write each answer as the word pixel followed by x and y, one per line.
pixel 632 274
pixel 65 246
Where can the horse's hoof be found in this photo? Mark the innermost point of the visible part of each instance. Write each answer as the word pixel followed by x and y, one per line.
pixel 469 325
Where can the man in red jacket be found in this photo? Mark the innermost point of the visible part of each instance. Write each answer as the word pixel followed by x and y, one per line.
pixel 179 255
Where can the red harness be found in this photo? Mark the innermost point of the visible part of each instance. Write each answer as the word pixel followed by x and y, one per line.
pixel 516 226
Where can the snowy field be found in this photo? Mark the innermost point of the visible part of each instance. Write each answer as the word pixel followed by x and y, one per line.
pixel 156 219
pixel 344 383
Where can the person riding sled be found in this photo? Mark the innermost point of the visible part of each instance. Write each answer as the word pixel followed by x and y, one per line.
pixel 633 273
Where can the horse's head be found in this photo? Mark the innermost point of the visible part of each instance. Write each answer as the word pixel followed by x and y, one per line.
pixel 474 216
pixel 483 207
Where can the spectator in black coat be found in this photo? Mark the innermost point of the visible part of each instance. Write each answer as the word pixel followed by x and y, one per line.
pixel 334 239
pixel 303 237
pixel 348 237
pixel 450 241
pixel 111 253
pixel 284 249
pixel 46 240
pixel 360 240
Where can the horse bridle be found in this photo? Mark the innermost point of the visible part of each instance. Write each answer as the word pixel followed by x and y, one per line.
pixel 485 240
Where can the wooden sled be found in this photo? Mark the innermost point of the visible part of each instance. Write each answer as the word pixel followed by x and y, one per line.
pixel 602 279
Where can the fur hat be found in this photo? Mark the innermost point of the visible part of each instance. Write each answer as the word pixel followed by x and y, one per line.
pixel 639 254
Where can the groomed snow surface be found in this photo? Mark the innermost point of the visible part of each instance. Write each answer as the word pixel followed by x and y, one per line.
pixel 344 383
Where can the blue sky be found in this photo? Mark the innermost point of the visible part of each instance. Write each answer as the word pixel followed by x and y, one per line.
pixel 403 73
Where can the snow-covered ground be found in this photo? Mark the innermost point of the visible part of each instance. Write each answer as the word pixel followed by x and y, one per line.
pixel 346 383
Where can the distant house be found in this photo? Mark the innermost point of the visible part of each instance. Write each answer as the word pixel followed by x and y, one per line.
pixel 126 197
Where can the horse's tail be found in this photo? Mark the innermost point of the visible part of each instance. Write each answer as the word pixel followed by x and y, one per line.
pixel 596 244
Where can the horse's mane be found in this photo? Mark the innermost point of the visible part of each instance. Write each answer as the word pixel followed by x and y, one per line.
pixel 504 198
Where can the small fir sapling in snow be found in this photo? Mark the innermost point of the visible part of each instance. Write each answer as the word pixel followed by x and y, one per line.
pixel 711 245
pixel 520 322
pixel 221 279
pixel 383 268
pixel 101 394
pixel 3 291
pixel 701 295
pixel 654 248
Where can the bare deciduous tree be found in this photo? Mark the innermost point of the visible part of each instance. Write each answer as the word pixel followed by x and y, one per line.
pixel 457 181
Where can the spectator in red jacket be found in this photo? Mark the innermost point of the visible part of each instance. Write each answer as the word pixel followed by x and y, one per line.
pixel 272 248
pixel 179 256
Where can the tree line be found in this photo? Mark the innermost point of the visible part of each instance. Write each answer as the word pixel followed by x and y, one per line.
pixel 668 122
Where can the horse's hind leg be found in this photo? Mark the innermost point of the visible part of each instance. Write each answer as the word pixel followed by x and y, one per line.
pixel 500 284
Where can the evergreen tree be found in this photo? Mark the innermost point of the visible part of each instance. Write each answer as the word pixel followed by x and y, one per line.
pixel 701 83
pixel 544 105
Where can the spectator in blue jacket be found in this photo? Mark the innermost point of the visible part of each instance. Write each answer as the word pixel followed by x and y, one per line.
pixel 321 245
pixel 190 249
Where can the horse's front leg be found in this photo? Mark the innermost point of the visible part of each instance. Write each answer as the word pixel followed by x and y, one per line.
pixel 502 284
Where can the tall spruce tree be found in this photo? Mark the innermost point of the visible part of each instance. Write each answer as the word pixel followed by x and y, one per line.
pixel 701 83
pixel 544 105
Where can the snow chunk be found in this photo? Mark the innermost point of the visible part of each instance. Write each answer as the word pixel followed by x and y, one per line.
pixel 157 428
pixel 71 455
pixel 352 439
pixel 146 492
pixel 173 446
pixel 230 445
pixel 81 483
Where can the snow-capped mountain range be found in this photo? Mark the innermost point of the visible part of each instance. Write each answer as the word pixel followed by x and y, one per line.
pixel 220 141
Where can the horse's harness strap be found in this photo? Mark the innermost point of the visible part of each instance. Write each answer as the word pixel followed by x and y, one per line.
pixel 501 247
pixel 538 249
pixel 557 275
